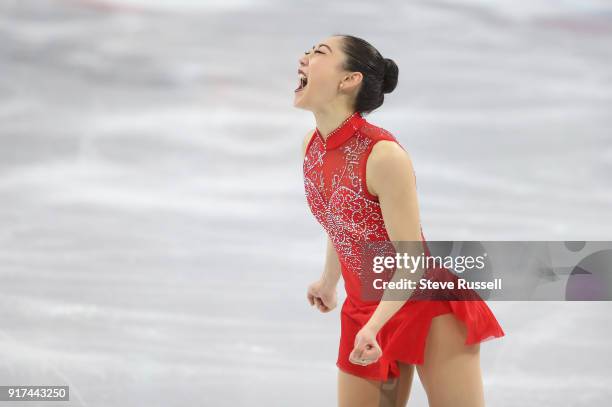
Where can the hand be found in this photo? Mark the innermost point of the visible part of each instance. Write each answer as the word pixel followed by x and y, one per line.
pixel 322 295
pixel 366 350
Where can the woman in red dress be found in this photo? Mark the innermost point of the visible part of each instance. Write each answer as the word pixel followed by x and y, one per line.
pixel 361 187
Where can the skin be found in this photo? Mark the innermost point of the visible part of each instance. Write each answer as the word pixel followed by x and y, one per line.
pixel 451 374
pixel 331 91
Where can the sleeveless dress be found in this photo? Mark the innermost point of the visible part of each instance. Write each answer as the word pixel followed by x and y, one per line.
pixel 336 192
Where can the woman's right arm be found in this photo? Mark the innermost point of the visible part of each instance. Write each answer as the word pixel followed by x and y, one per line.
pixel 322 293
pixel 306 141
pixel 333 269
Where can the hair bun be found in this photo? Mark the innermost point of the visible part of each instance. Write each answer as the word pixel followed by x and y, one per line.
pixel 390 76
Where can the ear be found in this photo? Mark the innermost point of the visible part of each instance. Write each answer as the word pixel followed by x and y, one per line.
pixel 351 81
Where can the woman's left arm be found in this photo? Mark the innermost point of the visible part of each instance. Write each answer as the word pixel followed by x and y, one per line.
pixel 390 176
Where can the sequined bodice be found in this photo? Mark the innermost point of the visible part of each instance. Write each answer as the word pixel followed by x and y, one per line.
pixel 335 186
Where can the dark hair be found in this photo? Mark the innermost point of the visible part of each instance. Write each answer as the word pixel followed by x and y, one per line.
pixel 379 74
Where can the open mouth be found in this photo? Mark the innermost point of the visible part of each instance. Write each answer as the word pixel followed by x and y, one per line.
pixel 303 81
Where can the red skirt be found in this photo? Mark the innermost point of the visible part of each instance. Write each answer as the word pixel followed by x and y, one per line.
pixel 403 337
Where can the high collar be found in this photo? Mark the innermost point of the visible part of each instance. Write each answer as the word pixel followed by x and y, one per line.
pixel 343 132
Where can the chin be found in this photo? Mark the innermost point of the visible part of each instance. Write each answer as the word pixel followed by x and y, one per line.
pixel 297 102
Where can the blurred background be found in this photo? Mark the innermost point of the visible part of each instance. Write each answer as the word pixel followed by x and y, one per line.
pixel 155 241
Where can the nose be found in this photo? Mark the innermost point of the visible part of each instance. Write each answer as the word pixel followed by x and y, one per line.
pixel 303 60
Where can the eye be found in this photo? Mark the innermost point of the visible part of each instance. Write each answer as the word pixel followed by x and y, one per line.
pixel 316 52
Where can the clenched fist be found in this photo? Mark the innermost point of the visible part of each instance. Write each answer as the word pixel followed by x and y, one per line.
pixel 322 295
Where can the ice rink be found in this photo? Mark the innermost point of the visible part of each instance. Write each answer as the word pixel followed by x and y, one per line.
pixel 155 242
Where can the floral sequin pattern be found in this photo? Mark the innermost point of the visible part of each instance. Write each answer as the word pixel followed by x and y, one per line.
pixel 340 206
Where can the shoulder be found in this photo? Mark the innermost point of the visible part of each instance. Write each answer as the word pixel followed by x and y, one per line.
pixel 376 133
pixel 385 148
pixel 389 162
pixel 306 141
pixel 388 157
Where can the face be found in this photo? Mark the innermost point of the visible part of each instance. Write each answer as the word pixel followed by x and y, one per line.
pixel 325 80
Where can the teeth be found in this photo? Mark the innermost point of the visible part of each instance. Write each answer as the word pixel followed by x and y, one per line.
pixel 303 80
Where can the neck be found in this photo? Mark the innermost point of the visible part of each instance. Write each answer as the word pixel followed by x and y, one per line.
pixel 328 121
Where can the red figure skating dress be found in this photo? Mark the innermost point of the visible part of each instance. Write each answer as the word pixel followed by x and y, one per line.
pixel 335 186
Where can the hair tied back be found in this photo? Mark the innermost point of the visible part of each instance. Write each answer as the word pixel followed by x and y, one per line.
pixel 390 76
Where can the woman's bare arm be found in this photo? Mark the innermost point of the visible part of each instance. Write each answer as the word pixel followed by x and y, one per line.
pixel 390 176
pixel 333 269
pixel 306 141
pixel 322 293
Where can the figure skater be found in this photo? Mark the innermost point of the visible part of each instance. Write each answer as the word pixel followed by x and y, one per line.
pixel 360 186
